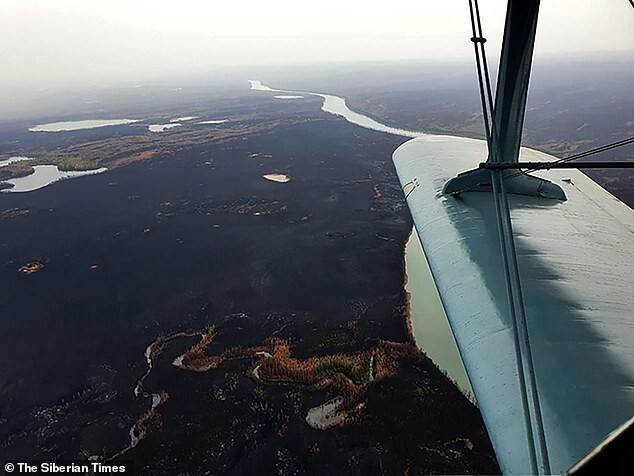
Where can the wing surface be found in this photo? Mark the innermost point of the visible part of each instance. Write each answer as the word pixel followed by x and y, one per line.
pixel 577 272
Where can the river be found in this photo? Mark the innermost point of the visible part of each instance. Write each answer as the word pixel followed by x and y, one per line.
pixel 429 322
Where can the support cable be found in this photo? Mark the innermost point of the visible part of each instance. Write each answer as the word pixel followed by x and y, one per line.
pixel 596 150
pixel 524 359
pixel 523 333
pixel 532 166
pixel 477 38
pixel 497 181
pixel 487 80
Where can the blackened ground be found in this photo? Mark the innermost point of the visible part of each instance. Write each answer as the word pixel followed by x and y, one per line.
pixel 200 239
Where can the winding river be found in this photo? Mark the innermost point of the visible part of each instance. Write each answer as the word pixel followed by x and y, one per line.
pixel 429 322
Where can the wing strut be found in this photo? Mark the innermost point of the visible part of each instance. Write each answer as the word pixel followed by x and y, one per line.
pixel 504 128
pixel 513 78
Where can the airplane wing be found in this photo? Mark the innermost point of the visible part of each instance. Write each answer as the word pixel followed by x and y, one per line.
pixel 577 270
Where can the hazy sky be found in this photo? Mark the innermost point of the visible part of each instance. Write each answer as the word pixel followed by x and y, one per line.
pixel 57 42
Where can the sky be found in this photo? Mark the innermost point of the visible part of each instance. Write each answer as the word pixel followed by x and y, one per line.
pixel 48 43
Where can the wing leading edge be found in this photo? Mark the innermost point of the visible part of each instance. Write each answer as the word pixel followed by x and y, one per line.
pixel 576 269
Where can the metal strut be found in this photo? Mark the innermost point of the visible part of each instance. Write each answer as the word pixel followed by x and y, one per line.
pixel 503 120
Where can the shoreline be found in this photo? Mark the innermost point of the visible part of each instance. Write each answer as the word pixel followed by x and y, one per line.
pixel 407 314
pixel 429 324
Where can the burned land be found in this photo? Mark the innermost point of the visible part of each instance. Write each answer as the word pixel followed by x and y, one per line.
pixel 185 313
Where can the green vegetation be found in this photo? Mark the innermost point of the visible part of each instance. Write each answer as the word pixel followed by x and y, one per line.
pixel 356 369
pixel 70 164
pixel 332 368
pixel 21 168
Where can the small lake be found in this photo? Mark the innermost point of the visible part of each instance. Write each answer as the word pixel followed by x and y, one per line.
pixel 280 178
pixel 78 125
pixel 183 119
pixel 45 175
pixel 216 121
pixel 162 127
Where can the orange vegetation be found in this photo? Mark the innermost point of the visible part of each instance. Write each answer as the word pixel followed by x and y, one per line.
pixel 14 212
pixel 157 347
pixel 31 268
pixel 195 358
pixel 140 428
pixel 347 375
pixel 121 151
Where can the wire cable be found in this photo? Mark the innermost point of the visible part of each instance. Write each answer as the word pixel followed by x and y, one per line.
pixel 524 359
pixel 487 79
pixel 580 155
pixel 478 39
